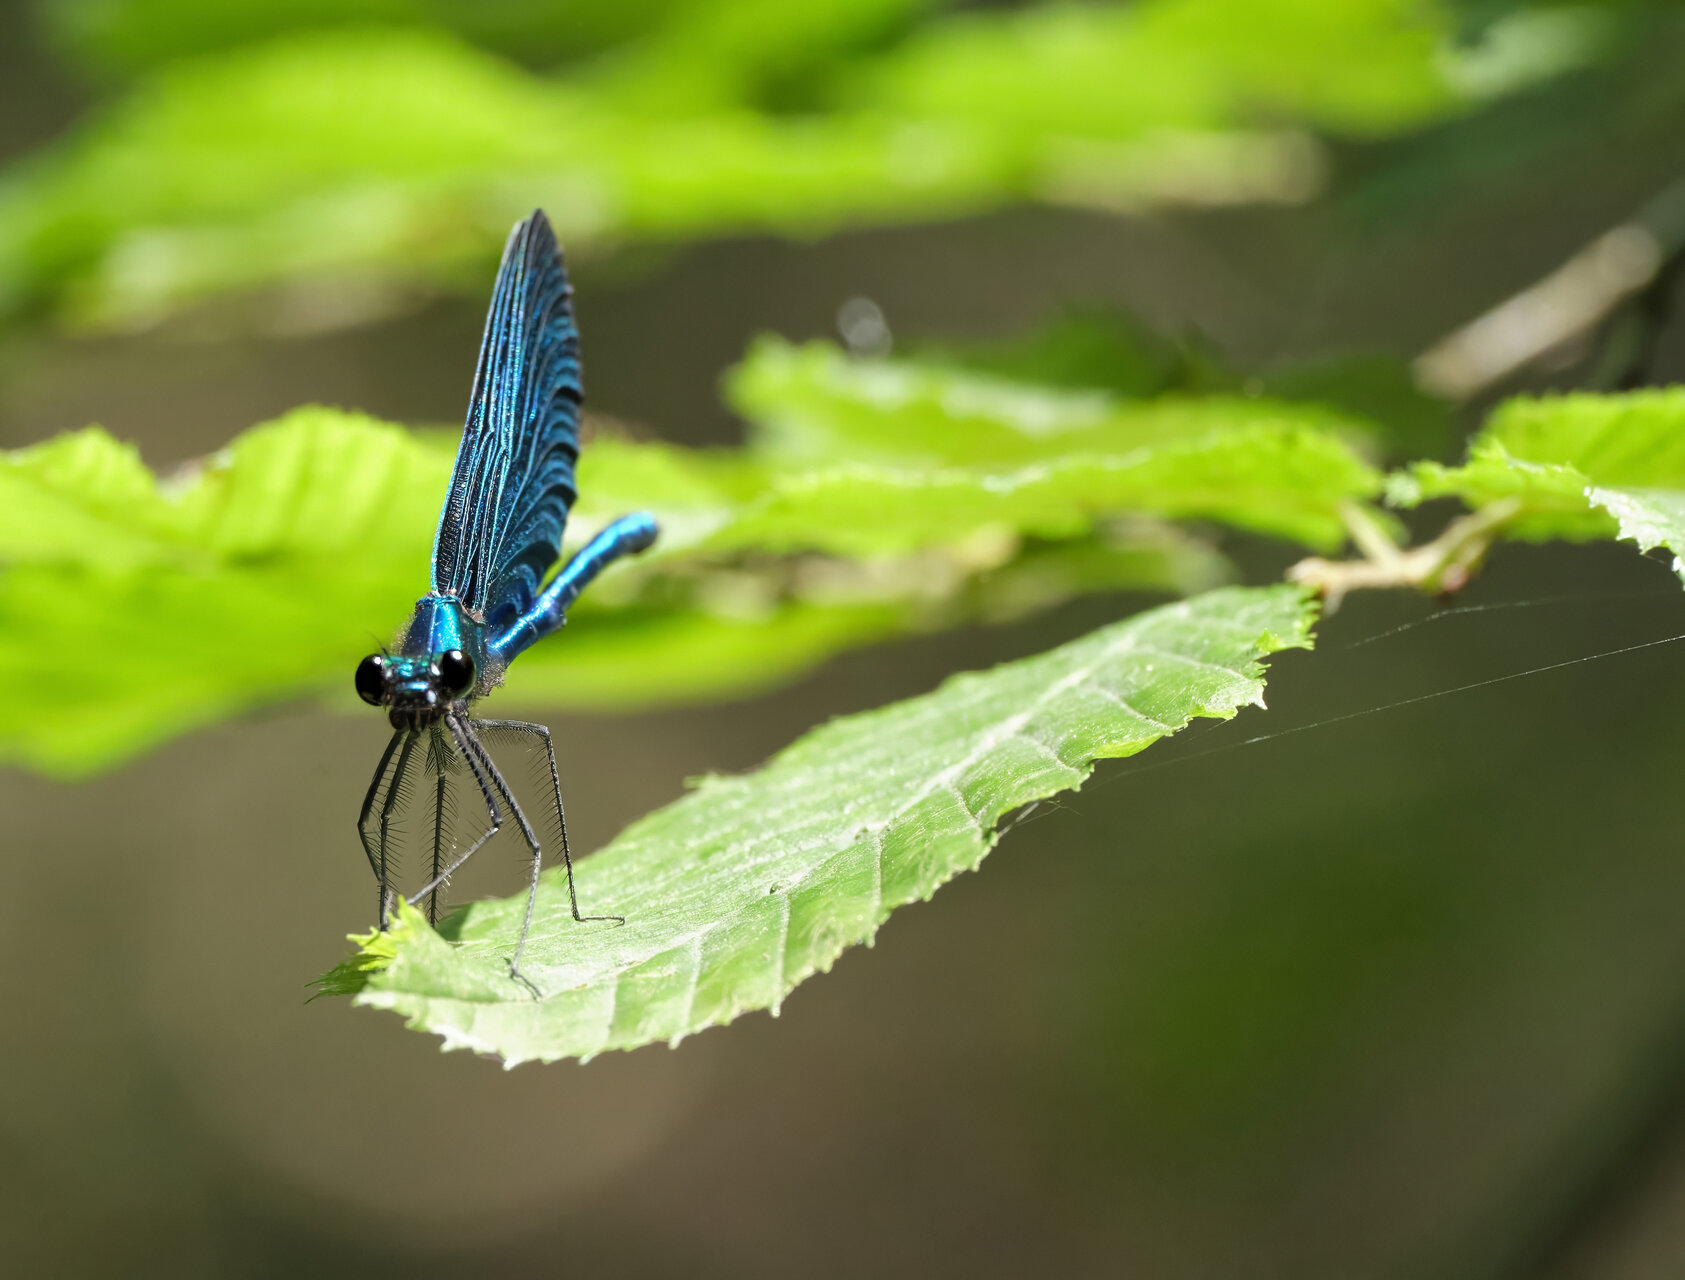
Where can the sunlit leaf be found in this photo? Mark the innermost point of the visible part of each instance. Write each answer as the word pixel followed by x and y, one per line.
pixel 354 164
pixel 745 634
pixel 119 663
pixel 1577 466
pixel 936 444
pixel 812 401
pixel 741 42
pixel 125 36
pixel 358 163
pixel 1091 348
pixel 1358 65
pixel 144 608
pixel 737 893
pixel 706 54
pixel 316 482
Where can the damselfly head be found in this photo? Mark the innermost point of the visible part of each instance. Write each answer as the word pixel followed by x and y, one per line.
pixel 418 690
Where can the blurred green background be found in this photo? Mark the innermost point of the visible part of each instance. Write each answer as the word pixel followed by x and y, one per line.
pixel 1400 996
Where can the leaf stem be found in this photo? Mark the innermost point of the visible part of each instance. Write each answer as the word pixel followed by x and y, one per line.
pixel 1440 567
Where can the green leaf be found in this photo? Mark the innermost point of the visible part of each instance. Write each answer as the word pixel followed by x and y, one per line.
pixel 764 53
pixel 741 890
pixel 740 42
pixel 360 163
pixel 742 637
pixel 120 663
pixel 316 482
pixel 115 37
pixel 357 163
pixel 1091 348
pixel 1096 348
pixel 77 497
pixel 1359 66
pixel 1376 387
pixel 628 660
pixel 1577 466
pixel 144 608
pixel 933 444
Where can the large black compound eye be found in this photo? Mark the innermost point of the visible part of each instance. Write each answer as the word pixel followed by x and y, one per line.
pixel 456 672
pixel 371 679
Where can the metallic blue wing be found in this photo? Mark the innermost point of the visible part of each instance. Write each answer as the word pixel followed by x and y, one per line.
pixel 508 502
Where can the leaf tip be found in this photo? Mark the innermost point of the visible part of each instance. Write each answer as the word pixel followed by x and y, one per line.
pixel 375 952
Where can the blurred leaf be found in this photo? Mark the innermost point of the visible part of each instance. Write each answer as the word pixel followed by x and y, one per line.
pixel 1580 466
pixel 1585 73
pixel 737 893
pixel 316 482
pixel 1275 478
pixel 80 494
pixel 1093 348
pixel 353 164
pixel 320 482
pixel 682 37
pixel 1104 348
pixel 762 53
pixel 1502 52
pixel 122 36
pixel 628 660
pixel 1553 496
pixel 144 608
pixel 358 162
pixel 120 663
pixel 812 402
pixel 744 632
pixel 1360 66
pixel 1377 387
pixel 934 445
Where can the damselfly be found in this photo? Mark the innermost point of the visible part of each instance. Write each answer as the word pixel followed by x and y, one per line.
pixel 499 533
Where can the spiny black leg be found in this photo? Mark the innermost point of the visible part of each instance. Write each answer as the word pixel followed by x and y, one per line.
pixel 440 748
pixel 543 731
pixel 368 803
pixel 438 836
pixel 392 793
pixel 537 858
pixel 463 738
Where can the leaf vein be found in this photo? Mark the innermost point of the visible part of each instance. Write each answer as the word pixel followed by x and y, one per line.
pixel 1195 662
pixel 1128 706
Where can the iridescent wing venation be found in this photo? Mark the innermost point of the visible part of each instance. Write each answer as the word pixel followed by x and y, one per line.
pixel 501 528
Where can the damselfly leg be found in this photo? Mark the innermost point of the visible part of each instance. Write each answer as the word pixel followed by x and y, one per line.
pixel 461 737
pixel 542 732
pixel 371 849
pixel 386 788
pixel 451 739
pixel 491 595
